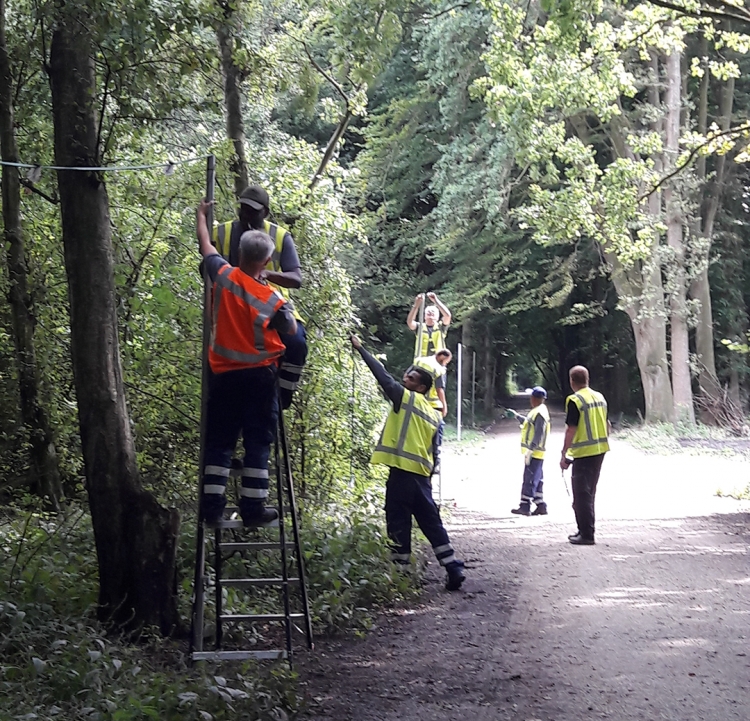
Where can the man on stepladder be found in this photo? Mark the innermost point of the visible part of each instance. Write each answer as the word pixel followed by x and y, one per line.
pixel 534 433
pixel 282 272
pixel 407 447
pixel 248 320
pixel 437 318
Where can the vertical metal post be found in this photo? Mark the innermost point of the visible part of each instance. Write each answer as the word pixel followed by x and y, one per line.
pixel 459 399
pixel 196 633
pixel 473 383
pixel 280 464
pixel 418 340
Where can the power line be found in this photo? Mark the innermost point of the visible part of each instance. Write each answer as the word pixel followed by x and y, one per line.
pixel 168 166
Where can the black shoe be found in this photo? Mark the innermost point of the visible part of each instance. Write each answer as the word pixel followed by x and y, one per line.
pixel 456 575
pixel 213 519
pixel 522 510
pixel 579 540
pixel 261 519
pixel 540 510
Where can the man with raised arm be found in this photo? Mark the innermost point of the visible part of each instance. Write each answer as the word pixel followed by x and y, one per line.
pixel 248 320
pixel 437 318
pixel 407 447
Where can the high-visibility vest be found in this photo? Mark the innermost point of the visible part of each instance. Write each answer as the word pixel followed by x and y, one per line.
pixel 527 431
pixel 436 370
pixel 242 309
pixel 431 342
pixel 222 239
pixel 406 440
pixel 590 438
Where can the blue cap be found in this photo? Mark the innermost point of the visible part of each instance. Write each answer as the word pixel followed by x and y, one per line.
pixel 538 392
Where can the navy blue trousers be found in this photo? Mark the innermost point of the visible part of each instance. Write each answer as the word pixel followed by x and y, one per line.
pixel 406 495
pixel 292 363
pixel 533 482
pixel 239 401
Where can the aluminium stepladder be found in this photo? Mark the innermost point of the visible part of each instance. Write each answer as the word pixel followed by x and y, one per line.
pixel 289 580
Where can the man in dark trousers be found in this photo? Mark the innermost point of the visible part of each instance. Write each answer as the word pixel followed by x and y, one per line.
pixel 407 447
pixel 534 432
pixel 248 320
pixel 586 442
pixel 282 272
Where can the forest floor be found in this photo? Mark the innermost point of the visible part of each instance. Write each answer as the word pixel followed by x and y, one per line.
pixel 652 623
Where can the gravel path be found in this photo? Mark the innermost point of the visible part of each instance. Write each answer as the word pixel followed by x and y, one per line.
pixel 651 623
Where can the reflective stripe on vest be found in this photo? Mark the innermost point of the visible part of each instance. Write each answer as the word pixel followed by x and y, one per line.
pixel 407 438
pixel 438 341
pixel 222 239
pixel 527 431
pixel 590 438
pixel 242 308
pixel 436 370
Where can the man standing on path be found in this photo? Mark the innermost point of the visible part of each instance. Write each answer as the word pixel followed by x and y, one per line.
pixel 407 447
pixel 437 366
pixel 437 318
pixel 282 272
pixel 585 444
pixel 534 432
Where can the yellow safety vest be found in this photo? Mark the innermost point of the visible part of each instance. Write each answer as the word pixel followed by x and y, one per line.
pixel 222 238
pixel 591 434
pixel 438 340
pixel 436 370
pixel 527 431
pixel 406 440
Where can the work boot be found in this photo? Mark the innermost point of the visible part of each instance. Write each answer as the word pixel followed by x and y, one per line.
pixel 540 510
pixel 523 510
pixel 259 518
pixel 579 540
pixel 456 576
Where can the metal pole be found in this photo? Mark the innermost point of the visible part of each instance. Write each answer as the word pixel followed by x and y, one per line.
pixel 473 383
pixel 459 400
pixel 196 634
pixel 418 340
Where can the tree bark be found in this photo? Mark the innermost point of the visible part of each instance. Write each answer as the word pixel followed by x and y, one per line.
pixel 233 102
pixel 44 471
pixel 331 147
pixel 135 537
pixel 677 278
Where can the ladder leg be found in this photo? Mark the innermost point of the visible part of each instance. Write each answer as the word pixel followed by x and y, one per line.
pixel 295 532
pixel 199 591
pixel 217 580
pixel 282 538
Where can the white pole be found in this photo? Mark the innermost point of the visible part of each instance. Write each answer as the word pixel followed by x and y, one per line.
pixel 473 383
pixel 459 400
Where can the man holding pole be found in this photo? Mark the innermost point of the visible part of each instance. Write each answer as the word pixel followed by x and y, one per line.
pixel 431 333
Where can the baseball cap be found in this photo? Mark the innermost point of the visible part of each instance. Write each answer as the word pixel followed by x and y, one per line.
pixel 255 197
pixel 538 392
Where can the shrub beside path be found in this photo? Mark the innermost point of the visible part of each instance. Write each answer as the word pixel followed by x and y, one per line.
pixel 651 624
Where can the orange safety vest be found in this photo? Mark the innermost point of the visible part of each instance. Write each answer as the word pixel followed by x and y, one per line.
pixel 242 309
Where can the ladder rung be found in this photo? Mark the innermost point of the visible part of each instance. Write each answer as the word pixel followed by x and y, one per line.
pixel 259 616
pixel 245 582
pixel 237 523
pixel 256 546
pixel 236 655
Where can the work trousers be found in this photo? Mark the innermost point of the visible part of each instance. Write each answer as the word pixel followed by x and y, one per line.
pixel 239 401
pixel 533 482
pixel 292 363
pixel 406 495
pixel 584 479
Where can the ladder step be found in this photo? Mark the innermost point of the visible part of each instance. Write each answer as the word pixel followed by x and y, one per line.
pixel 259 616
pixel 237 655
pixel 247 582
pixel 237 523
pixel 254 546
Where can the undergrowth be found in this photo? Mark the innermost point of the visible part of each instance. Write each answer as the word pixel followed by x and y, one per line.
pixel 57 661
pixel 698 439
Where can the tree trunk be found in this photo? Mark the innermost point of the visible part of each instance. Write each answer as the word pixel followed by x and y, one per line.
pixel 489 368
pixel 44 471
pixel 135 536
pixel 233 103
pixel 677 279
pixel 331 147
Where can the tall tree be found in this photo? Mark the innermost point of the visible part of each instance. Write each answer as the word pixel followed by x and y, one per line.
pixel 135 537
pixel 44 473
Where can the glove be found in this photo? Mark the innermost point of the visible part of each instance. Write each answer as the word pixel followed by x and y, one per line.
pixel 527 458
pixel 510 413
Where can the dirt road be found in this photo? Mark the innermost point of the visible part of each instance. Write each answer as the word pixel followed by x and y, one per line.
pixel 652 623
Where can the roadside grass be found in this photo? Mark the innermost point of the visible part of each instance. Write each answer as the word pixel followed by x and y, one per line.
pixel 698 440
pixel 469 436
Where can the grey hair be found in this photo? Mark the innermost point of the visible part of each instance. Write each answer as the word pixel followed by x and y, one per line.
pixel 255 246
